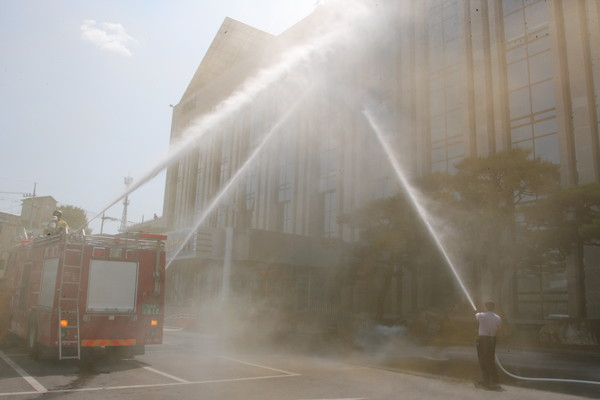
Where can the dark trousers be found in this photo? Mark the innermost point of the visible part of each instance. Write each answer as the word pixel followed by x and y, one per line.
pixel 486 352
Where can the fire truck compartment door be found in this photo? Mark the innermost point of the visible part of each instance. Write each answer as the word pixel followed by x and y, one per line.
pixel 112 286
pixel 48 286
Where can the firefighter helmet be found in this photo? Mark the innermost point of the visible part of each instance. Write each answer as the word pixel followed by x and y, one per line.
pixel 57 213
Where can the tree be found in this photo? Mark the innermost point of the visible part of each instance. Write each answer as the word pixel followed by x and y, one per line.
pixel 391 237
pixel 483 199
pixel 566 222
pixel 75 217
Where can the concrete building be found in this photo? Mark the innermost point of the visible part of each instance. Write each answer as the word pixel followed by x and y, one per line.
pixel 447 79
pixel 36 212
pixel 9 236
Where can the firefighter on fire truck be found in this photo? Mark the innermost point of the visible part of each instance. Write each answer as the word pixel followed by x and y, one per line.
pixel 57 224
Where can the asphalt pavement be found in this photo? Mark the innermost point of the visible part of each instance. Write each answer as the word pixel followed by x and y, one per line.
pixel 460 363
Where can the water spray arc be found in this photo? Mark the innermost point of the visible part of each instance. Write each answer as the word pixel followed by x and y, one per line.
pixel 303 54
pixel 235 178
pixel 411 192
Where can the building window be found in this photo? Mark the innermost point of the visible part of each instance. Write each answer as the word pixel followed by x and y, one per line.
pixel 329 215
pixel 446 98
pixel 286 217
pixel 286 173
pixel 225 161
pixel 592 18
pixel 531 101
pixel 251 188
pixel 200 179
pixel 328 163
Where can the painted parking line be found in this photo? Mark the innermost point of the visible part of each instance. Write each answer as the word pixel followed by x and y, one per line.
pixel 286 373
pixel 256 365
pixel 175 378
pixel 28 378
pixel 95 389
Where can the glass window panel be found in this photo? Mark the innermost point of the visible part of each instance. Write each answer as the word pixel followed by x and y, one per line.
pixel 524 145
pixel 553 309
pixel 438 128
pixel 451 28
pixel 542 96
pixel 519 103
pixel 521 133
pixel 547 148
pixel 436 36
pixel 449 10
pixel 456 150
pixel 287 217
pixel 545 115
pixel 436 84
pixel 517 75
pixel 453 96
pixel 515 54
pixel 437 102
pixel 536 15
pixel 514 26
pixel 330 214
pixel 436 59
pixel 435 16
pixel 530 311
pixel 555 282
pixel 539 45
pixel 540 67
pixel 455 123
pixel 545 127
pixel 452 52
pixel 510 6
pixel 439 167
pixel 452 164
pixel 438 154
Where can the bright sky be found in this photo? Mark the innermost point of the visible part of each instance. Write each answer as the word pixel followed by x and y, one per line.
pixel 85 88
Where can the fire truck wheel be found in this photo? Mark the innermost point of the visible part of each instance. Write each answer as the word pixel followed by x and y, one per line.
pixel 32 342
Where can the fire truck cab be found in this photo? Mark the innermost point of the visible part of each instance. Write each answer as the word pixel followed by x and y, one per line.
pixel 76 292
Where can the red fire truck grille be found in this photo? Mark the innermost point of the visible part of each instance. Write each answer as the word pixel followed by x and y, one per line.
pixel 107 342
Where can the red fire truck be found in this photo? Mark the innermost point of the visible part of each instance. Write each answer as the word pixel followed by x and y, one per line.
pixel 76 292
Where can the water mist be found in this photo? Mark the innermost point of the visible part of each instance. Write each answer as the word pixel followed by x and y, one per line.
pixel 412 193
pixel 339 26
pixel 236 177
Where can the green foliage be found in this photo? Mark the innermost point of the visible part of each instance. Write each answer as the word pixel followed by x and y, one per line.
pixel 75 217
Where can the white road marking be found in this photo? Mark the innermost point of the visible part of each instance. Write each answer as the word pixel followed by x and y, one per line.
pixel 175 378
pixel 179 381
pixel 238 361
pixel 152 385
pixel 35 384
pixel 256 365
pixel 172 329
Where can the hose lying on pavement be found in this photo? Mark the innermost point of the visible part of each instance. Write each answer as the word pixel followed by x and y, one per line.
pixel 524 378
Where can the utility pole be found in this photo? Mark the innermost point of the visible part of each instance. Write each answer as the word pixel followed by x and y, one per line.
pixel 123 227
pixel 32 195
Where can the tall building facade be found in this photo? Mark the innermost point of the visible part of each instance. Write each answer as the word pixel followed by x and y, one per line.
pixel 278 145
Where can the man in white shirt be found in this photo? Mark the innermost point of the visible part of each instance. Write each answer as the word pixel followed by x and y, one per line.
pixel 489 324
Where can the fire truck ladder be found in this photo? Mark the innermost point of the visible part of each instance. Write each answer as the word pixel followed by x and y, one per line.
pixel 68 303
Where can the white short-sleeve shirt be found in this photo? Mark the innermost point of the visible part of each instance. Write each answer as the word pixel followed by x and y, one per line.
pixel 489 323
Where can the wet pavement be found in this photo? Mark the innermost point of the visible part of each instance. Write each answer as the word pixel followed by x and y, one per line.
pixel 460 363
